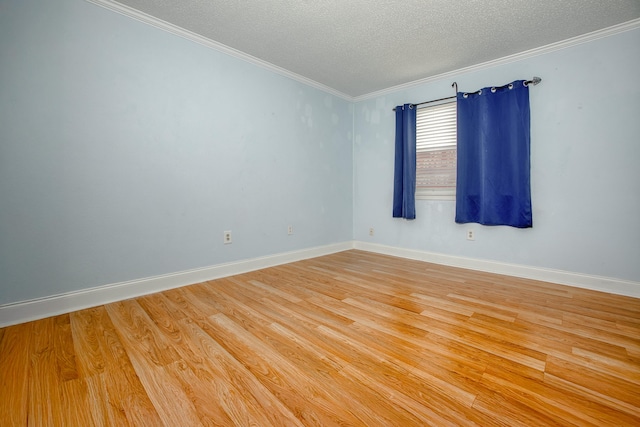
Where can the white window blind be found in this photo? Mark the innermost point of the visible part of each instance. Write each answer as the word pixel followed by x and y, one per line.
pixel 436 152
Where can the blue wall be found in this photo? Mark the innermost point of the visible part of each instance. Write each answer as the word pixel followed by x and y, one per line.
pixel 585 175
pixel 125 152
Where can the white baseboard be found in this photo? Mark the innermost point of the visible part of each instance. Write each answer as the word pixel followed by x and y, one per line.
pixel 579 280
pixel 25 311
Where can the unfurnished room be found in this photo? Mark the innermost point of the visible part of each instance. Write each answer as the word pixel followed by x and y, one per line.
pixel 329 213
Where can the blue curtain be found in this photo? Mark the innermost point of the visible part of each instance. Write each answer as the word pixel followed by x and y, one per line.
pixel 493 181
pixel 404 181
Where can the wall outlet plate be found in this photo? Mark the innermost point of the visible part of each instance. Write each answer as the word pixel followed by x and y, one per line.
pixel 227 237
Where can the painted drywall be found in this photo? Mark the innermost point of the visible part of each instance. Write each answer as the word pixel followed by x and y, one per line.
pixel 585 133
pixel 126 151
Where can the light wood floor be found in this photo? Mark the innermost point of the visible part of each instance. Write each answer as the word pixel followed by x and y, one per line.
pixel 352 338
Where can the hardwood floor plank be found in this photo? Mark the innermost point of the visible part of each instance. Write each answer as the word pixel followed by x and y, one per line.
pixel 320 365
pixel 594 395
pixel 291 298
pixel 44 398
pixel 149 353
pixel 455 376
pixel 502 410
pixel 545 398
pixel 190 304
pixel 619 390
pixel 424 414
pixel 76 405
pixel 124 388
pixel 614 339
pixel 296 390
pixel 161 310
pixel 244 394
pixel 511 351
pixel 375 407
pixel 134 325
pixel 499 311
pixel 407 386
pixel 215 403
pixel 86 341
pixel 15 355
pixel 353 338
pixel 623 368
pixel 99 402
pixel 65 354
pixel 434 303
pixel 310 311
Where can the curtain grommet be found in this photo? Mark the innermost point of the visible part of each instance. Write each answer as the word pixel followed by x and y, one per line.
pixel 493 90
pixel 510 85
pixel 480 92
pixel 466 95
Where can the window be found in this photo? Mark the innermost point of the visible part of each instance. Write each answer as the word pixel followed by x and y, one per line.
pixel 436 152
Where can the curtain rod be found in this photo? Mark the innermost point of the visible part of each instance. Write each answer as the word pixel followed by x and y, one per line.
pixel 534 81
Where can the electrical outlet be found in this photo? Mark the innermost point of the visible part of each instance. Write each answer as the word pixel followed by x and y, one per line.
pixel 471 235
pixel 290 230
pixel 227 237
pixel 371 231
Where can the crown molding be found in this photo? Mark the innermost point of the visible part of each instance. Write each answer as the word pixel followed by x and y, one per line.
pixel 189 35
pixel 574 41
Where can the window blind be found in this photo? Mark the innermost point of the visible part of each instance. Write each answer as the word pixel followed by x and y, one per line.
pixel 436 140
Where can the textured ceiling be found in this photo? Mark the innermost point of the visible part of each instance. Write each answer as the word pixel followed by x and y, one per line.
pixel 357 47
